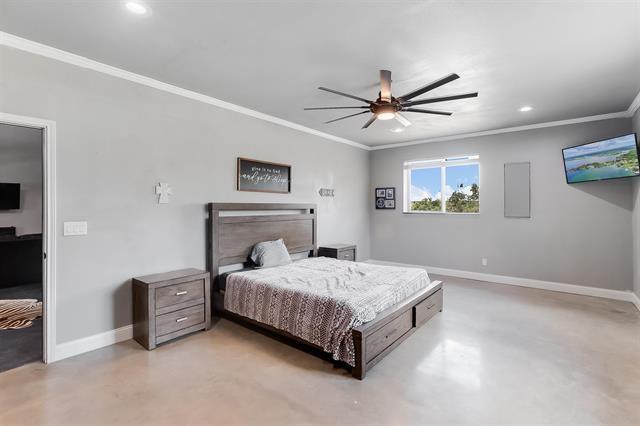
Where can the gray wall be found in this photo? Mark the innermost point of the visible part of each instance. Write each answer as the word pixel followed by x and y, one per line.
pixel 21 162
pixel 636 218
pixel 117 139
pixel 578 234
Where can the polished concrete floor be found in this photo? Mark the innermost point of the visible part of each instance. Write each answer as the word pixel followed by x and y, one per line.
pixel 496 355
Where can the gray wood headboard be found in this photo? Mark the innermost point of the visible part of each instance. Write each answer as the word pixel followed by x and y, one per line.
pixel 234 228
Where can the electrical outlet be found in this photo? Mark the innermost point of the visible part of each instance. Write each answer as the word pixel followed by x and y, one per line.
pixel 75 228
pixel 484 261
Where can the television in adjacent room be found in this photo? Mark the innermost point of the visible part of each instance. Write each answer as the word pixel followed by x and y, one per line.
pixel 9 196
pixel 612 158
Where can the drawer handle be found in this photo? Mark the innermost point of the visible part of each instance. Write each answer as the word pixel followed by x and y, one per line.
pixel 181 293
pixel 182 319
pixel 429 307
pixel 391 333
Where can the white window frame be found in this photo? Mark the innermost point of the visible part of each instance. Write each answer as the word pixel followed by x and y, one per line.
pixel 442 163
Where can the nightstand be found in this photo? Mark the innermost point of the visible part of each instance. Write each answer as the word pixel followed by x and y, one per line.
pixel 170 305
pixel 338 251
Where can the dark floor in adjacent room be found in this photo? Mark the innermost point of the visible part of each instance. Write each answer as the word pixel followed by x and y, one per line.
pixel 19 347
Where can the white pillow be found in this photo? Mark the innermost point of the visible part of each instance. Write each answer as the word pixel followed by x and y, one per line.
pixel 270 253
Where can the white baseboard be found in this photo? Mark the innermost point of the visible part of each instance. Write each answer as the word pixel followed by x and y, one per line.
pixel 626 296
pixel 91 343
pixel 635 300
pixel 97 341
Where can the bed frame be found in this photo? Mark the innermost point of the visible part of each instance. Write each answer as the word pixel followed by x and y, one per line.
pixel 234 228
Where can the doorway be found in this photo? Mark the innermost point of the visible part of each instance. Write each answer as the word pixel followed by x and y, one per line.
pixel 27 210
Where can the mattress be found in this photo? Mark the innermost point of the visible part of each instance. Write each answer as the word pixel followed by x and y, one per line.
pixel 222 278
pixel 321 300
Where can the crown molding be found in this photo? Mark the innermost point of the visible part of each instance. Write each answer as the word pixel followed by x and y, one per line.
pixel 36 48
pixel 635 105
pixel 621 114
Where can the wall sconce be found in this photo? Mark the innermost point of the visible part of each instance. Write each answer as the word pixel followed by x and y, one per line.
pixel 326 192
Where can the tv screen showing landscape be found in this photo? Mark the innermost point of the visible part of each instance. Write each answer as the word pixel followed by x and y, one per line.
pixel 608 159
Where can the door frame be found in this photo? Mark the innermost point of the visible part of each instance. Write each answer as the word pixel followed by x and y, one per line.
pixel 48 225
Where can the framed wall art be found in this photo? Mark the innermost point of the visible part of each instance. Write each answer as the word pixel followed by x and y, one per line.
pixel 386 198
pixel 263 176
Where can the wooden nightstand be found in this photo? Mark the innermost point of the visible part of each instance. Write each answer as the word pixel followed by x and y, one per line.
pixel 338 251
pixel 169 305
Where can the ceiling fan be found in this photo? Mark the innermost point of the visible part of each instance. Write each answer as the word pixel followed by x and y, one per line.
pixel 387 107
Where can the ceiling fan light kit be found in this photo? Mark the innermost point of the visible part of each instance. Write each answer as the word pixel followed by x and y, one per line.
pixel 385 112
pixel 387 107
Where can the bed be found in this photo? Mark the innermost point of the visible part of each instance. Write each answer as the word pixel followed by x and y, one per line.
pixel 348 312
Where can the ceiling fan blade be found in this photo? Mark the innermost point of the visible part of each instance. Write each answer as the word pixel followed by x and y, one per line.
pixel 371 120
pixel 346 116
pixel 427 111
pixel 430 86
pixel 442 99
pixel 357 98
pixel 402 120
pixel 385 85
pixel 337 107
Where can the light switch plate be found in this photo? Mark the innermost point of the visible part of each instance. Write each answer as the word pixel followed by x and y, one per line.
pixel 75 228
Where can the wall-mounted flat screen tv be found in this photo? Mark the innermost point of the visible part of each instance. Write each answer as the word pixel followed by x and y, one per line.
pixel 9 196
pixel 607 159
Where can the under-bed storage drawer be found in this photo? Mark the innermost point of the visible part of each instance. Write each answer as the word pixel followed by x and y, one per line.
pixel 379 340
pixel 178 320
pixel 428 308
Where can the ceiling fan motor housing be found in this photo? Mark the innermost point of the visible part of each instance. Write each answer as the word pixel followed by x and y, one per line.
pixel 385 108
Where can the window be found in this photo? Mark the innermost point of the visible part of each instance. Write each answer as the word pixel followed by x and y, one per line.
pixel 446 185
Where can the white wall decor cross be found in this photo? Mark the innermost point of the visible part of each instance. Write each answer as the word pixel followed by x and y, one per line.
pixel 163 190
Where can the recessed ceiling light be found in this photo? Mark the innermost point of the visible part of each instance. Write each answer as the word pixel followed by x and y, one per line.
pixel 525 108
pixel 397 130
pixel 137 8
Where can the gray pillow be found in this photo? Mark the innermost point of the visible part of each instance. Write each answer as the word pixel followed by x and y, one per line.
pixel 270 253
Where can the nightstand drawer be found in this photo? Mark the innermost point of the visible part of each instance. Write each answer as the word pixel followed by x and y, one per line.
pixel 347 255
pixel 179 293
pixel 178 320
pixel 338 251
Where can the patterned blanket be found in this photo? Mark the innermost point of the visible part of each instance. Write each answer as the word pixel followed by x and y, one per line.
pixel 321 300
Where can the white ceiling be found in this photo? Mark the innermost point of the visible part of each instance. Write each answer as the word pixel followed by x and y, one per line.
pixel 566 59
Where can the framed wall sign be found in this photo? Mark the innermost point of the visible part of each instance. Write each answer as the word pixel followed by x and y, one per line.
pixel 263 176
pixel 385 198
